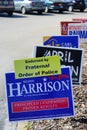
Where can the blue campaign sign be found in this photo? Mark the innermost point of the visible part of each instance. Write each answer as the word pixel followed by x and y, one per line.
pixel 40 97
pixel 62 41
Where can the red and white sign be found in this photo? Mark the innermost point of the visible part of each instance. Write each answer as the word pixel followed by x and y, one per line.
pixel 64 26
pixel 79 29
pixel 83 20
pixel 37 105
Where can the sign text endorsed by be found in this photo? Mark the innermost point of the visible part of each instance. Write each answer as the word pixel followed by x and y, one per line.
pixel 41 66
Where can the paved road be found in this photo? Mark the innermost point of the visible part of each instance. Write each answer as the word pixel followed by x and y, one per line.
pixel 18 35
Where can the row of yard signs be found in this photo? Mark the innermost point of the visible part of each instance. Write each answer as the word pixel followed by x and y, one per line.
pixel 75 27
pixel 42 87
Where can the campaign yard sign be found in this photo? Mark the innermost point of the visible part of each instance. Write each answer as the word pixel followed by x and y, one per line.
pixel 61 41
pixel 72 57
pixel 40 97
pixel 42 66
pixel 79 29
pixel 83 20
pixel 64 26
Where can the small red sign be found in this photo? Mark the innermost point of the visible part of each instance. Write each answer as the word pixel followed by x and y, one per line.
pixel 83 20
pixel 64 26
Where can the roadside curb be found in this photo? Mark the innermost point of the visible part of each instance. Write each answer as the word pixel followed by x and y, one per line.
pixel 22 125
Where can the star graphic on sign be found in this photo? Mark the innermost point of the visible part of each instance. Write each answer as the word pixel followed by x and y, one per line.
pixel 44 79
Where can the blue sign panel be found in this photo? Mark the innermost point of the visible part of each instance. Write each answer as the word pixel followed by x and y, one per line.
pixel 62 41
pixel 39 97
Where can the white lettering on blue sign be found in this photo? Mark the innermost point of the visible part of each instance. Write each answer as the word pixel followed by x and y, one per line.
pixel 19 89
pixel 81 33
